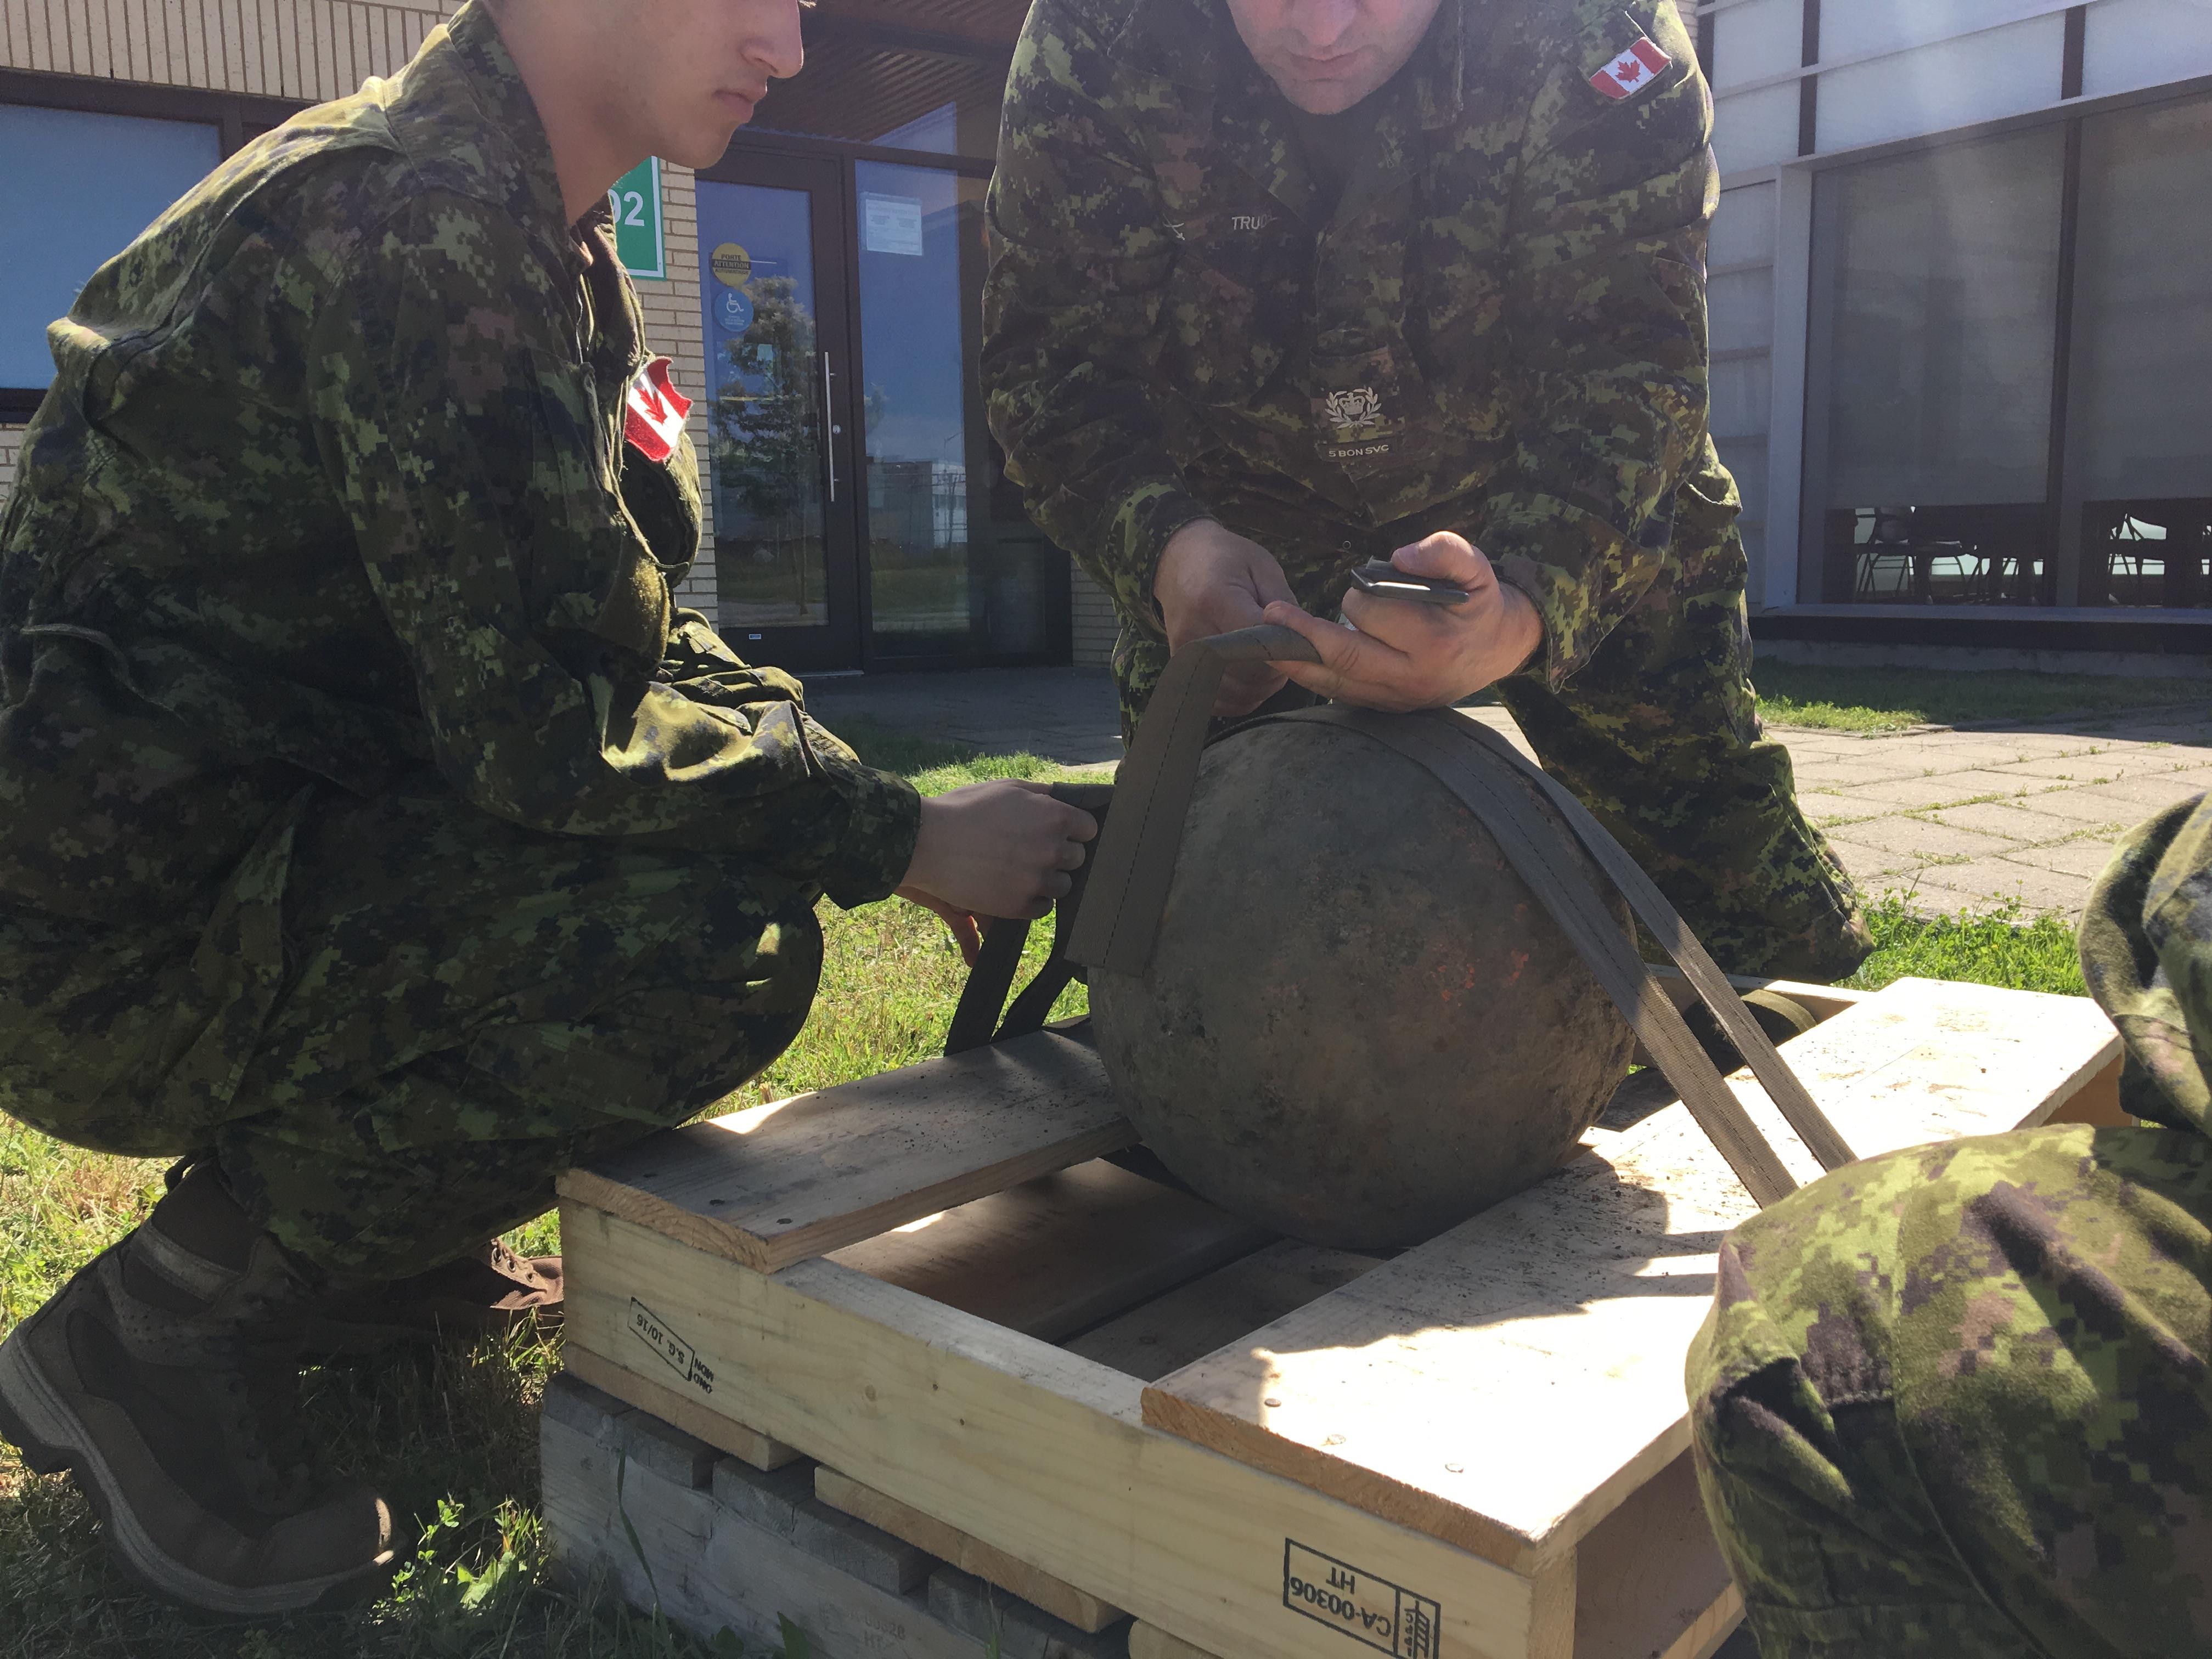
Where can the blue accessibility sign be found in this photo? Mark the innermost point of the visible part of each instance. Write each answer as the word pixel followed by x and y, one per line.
pixel 734 310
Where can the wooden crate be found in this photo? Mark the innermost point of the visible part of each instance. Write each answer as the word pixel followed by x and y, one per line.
pixel 1106 1397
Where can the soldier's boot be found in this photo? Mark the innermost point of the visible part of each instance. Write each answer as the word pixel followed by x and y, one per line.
pixel 165 1378
pixel 488 1292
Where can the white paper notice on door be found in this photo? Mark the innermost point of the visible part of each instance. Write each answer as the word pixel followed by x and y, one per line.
pixel 890 224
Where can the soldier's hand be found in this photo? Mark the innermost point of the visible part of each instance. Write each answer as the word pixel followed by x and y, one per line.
pixel 1003 849
pixel 1212 581
pixel 1400 655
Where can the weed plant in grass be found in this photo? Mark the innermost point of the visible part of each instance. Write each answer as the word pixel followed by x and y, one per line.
pixel 2003 946
pixel 1888 699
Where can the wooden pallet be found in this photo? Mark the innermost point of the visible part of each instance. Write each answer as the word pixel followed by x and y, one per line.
pixel 1106 1398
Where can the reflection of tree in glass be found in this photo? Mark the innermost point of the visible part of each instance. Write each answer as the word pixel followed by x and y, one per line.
pixel 763 417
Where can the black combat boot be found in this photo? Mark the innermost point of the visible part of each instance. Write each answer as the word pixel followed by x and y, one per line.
pixel 165 1378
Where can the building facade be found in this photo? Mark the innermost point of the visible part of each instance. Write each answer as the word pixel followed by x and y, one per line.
pixel 1961 305
pixel 1962 320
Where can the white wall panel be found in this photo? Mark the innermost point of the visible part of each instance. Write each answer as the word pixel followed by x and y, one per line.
pixel 1744 227
pixel 1755 129
pixel 2000 72
pixel 1865 26
pixel 2145 43
pixel 1763 37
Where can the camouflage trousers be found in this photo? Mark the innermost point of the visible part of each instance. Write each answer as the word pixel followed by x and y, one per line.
pixel 1658 734
pixel 1955 1401
pixel 466 1009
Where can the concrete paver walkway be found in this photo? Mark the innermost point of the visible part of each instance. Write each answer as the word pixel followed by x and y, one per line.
pixel 1954 820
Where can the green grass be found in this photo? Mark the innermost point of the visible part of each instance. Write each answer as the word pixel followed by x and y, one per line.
pixel 2001 946
pixel 449 1436
pixel 1888 699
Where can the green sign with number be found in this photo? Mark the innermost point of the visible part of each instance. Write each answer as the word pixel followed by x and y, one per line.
pixel 635 199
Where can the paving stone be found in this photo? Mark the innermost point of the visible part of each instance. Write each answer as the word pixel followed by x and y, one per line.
pixel 675 1456
pixel 2000 880
pixel 1865 863
pixel 1019 1630
pixel 768 1500
pixel 1923 842
pixel 2086 858
pixel 1819 775
pixel 1823 805
pixel 2083 807
pixel 2145 796
pixel 867 1554
pixel 1945 789
pixel 2013 820
pixel 2105 765
pixel 579 1405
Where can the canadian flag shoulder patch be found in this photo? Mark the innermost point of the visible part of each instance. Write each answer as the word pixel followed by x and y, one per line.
pixel 1632 72
pixel 653 414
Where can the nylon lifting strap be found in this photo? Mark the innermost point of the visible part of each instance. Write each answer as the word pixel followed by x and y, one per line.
pixel 976 1019
pixel 1133 866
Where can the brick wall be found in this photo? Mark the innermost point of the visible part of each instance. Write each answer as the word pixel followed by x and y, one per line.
pixel 313 51
pixel 1093 612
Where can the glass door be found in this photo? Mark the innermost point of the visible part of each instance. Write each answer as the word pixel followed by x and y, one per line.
pixel 783 496
pixel 954 574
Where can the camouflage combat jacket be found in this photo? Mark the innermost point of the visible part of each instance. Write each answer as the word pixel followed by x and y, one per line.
pixel 332 490
pixel 1506 307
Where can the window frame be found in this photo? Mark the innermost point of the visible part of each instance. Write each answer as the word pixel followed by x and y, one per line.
pixel 2060 547
pixel 236 117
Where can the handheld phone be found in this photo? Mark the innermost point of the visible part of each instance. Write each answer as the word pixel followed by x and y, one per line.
pixel 1385 581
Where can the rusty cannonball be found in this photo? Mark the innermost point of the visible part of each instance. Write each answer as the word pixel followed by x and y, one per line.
pixel 1359 1027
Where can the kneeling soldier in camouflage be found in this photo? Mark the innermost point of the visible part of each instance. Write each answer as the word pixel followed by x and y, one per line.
pixel 1280 287
pixel 1958 1401
pixel 377 838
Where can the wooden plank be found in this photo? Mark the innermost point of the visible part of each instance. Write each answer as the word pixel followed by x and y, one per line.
pixel 1151 1642
pixel 1168 1332
pixel 1431 1391
pixel 805 1177
pixel 2098 1102
pixel 711 1571
pixel 763 1451
pixel 1029 1448
pixel 970 1554
pixel 1650 1580
pixel 1055 1255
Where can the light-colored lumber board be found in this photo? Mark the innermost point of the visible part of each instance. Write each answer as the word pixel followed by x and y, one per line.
pixel 805 1177
pixel 1056 1253
pixel 1168 1332
pixel 763 1452
pixel 2099 1102
pixel 1027 1448
pixel 1151 1642
pixel 1650 1580
pixel 711 1571
pixel 970 1554
pixel 1431 1392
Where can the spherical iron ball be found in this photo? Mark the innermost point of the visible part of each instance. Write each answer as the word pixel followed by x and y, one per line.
pixel 1359 1026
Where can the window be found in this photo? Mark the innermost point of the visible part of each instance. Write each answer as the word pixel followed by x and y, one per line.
pixel 2010 390
pixel 142 165
pixel 1935 328
pixel 2140 453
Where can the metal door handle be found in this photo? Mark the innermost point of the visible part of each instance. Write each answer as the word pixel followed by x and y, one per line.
pixel 829 427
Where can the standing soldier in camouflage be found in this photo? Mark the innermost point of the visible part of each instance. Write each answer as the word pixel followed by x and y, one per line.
pixel 1957 1401
pixel 374 833
pixel 1278 286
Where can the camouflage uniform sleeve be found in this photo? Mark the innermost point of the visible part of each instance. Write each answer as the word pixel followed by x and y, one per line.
pixel 560 691
pixel 1606 314
pixel 1080 256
